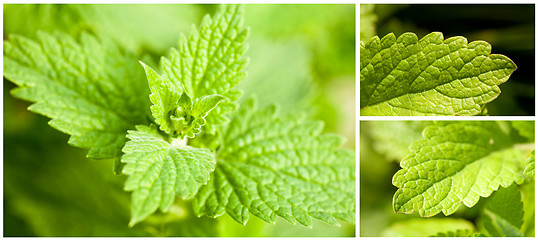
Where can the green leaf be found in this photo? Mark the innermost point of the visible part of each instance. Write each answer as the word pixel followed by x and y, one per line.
pixel 192 114
pixel 529 166
pixel 418 227
pixel 456 162
pixel 174 110
pixel 164 96
pixel 158 170
pixel 210 61
pixel 269 166
pixel 503 214
pixel 91 89
pixel 407 77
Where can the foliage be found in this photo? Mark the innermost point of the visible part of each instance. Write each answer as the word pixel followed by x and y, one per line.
pixel 174 137
pixel 402 75
pixel 457 162
pixel 437 166
pixel 95 101
pixel 461 162
pixel 434 76
pixel 279 166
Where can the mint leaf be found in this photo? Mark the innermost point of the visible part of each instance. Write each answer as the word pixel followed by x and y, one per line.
pixel 174 110
pixel 191 115
pixel 406 76
pixel 210 61
pixel 456 162
pixel 529 166
pixel 91 89
pixel 503 214
pixel 164 96
pixel 158 170
pixel 269 166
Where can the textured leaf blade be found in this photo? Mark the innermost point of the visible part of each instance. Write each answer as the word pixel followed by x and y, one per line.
pixel 204 105
pixel 210 61
pixel 164 96
pixel 432 76
pixel 456 162
pixel 174 110
pixel 272 167
pixel 89 88
pixel 195 113
pixel 158 171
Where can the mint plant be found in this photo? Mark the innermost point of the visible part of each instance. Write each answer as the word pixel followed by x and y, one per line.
pixel 458 162
pixel 405 76
pixel 179 130
pixel 484 165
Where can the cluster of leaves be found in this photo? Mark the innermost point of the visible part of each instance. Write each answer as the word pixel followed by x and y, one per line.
pixel 459 162
pixel 180 140
pixel 450 162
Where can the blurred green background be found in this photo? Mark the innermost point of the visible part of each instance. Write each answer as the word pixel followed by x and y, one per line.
pixel 509 28
pixel 302 57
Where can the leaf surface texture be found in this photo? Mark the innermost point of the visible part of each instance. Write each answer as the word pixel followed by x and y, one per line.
pixel 270 166
pixel 456 162
pixel 405 76
pixel 208 62
pixel 91 89
pixel 159 170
